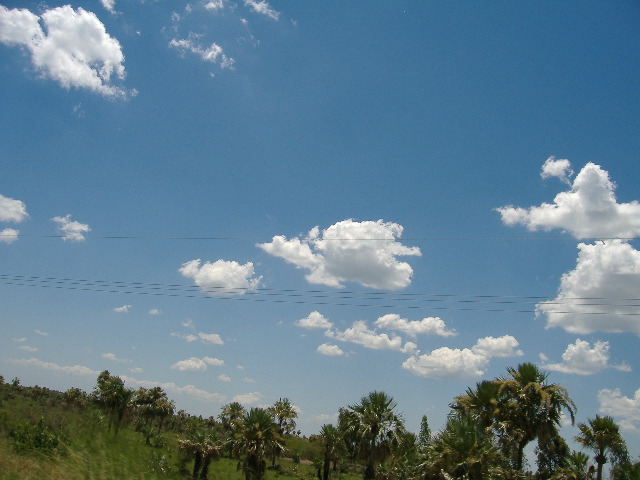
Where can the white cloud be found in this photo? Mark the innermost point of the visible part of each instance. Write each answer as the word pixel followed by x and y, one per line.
pixel 136 370
pixel 114 358
pixel 626 410
pixel 41 333
pixel 592 296
pixel 9 235
pixel 214 5
pixel 122 309
pixel 262 8
pixel 588 210
pixel 20 340
pixel 349 251
pixel 76 51
pixel 503 347
pixel 447 363
pixel 581 359
pixel 221 277
pixel 248 398
pixel 109 5
pixel 557 168
pixel 11 210
pixel 27 348
pixel 54 367
pixel 330 350
pixel 360 334
pixel 213 53
pixel 190 365
pixel 212 338
pixel 194 364
pixel 155 311
pixel 426 326
pixel 455 363
pixel 224 378
pixel 315 320
pixel 72 230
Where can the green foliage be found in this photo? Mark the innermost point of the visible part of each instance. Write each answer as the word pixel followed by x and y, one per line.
pixel 36 439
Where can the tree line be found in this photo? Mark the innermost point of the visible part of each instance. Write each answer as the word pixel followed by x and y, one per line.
pixel 485 435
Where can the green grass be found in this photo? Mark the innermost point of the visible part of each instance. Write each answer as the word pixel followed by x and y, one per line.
pixel 88 451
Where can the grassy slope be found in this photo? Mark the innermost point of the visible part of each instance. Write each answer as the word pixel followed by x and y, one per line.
pixel 91 452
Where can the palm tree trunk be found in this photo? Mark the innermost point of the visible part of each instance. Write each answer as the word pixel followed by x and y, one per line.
pixel 520 458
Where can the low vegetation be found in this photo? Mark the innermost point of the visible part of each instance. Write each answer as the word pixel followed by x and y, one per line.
pixel 118 433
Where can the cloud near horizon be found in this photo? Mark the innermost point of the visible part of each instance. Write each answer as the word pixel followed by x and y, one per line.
pixel 76 50
pixel 349 251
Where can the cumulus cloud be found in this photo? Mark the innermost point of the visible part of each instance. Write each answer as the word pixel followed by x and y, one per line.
pixel 221 277
pixel 581 358
pixel 173 389
pixel 224 378
pixel 588 210
pixel 626 410
pixel 72 230
pixel 557 168
pixel 595 295
pixel 76 50
pixel 194 364
pixel 214 5
pixel 455 363
pixel 315 320
pixel 122 309
pixel 426 326
pixel 349 251
pixel 11 210
pixel 503 347
pixel 212 338
pixel 360 334
pixel 445 362
pixel 262 8
pixel 330 350
pixel 9 235
pixel 213 53
pixel 248 398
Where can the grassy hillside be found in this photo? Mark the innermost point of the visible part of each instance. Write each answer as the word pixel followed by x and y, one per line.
pixel 44 435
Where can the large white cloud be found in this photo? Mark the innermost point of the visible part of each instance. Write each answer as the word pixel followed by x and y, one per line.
pixel 360 334
pixel 582 359
pixel 426 326
pixel 588 210
pixel 597 295
pixel 349 251
pixel 626 410
pixel 455 363
pixel 71 229
pixel 221 277
pixel 75 51
pixel 12 210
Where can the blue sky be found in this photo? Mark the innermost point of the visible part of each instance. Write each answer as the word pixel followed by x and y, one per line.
pixel 250 200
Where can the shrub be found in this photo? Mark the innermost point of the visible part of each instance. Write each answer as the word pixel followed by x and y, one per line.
pixel 29 439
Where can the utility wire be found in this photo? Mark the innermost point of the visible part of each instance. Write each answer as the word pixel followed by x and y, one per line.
pixel 461 302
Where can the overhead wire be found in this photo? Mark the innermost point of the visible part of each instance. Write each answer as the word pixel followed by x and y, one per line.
pixel 420 301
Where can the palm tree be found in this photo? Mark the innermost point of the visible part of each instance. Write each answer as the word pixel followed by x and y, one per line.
pixel 330 435
pixel 231 415
pixel 480 402
pixel 528 408
pixel 576 468
pixel 374 426
pixel 464 449
pixel 284 414
pixel 602 435
pixel 203 446
pixel 113 398
pixel 256 436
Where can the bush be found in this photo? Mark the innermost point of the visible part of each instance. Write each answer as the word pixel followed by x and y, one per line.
pixel 29 439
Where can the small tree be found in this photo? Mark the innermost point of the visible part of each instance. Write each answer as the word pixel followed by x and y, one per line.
pixel 114 399
pixel 602 436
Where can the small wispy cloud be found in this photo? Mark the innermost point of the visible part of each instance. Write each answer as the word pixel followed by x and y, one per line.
pixel 122 309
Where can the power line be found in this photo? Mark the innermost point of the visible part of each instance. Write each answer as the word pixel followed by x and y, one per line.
pixel 422 301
